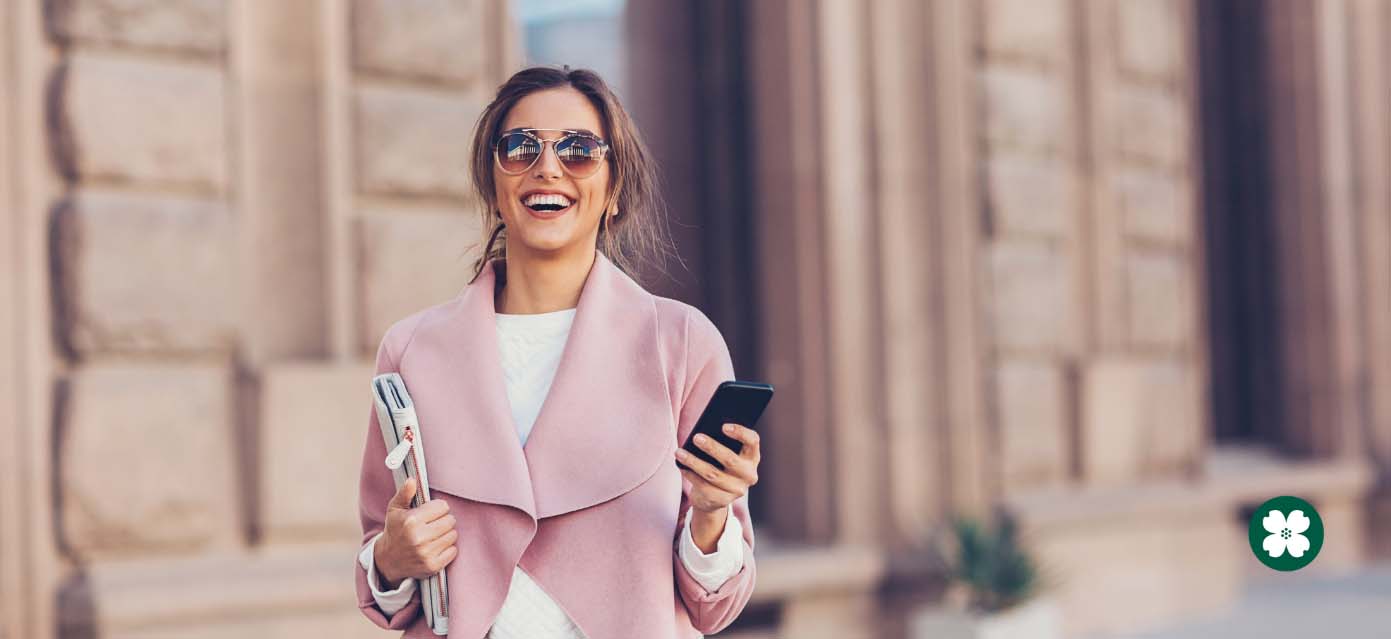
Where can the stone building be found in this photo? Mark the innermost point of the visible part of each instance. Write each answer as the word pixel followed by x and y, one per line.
pixel 1121 266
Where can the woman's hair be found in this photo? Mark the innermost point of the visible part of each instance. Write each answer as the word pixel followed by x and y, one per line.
pixel 638 237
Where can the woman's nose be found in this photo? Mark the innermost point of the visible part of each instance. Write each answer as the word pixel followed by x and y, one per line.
pixel 548 165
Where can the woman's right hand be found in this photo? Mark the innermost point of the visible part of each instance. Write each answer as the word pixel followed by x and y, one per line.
pixel 415 542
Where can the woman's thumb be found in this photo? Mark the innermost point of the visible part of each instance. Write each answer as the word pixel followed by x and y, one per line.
pixel 404 495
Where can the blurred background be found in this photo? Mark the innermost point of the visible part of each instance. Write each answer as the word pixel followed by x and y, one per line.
pixel 1119 268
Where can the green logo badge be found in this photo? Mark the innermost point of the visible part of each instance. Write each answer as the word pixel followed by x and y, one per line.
pixel 1286 533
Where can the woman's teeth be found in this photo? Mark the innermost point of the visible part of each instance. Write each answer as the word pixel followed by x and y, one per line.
pixel 547 202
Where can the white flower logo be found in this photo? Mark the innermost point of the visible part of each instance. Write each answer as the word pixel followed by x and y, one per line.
pixel 1285 533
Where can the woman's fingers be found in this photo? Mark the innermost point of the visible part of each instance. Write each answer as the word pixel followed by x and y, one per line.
pixel 724 496
pixel 712 475
pixel 425 513
pixel 719 451
pixel 435 529
pixel 750 439
pixel 437 562
pixel 438 546
pixel 745 468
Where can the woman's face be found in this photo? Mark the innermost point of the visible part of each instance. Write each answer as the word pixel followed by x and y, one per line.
pixel 577 225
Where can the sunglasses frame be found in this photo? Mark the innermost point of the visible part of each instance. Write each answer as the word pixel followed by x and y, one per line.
pixel 603 149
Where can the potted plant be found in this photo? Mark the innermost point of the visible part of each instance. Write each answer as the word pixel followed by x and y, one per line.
pixel 993 588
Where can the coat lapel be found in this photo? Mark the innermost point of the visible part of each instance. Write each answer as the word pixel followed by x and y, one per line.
pixel 605 425
pixel 453 371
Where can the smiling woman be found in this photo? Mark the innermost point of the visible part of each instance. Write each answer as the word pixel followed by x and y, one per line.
pixel 597 525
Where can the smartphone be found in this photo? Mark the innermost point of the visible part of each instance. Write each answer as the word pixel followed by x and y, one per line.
pixel 734 402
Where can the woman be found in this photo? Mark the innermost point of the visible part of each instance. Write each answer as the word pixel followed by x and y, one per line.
pixel 553 392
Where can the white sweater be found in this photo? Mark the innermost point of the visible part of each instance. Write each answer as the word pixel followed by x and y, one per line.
pixel 531 346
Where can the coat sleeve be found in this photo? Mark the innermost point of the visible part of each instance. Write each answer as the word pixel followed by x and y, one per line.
pixel 707 365
pixel 375 489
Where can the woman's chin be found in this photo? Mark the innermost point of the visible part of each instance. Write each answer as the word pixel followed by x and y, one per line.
pixel 546 237
pixel 546 244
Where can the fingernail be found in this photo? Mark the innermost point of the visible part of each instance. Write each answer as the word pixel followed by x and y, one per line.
pixel 701 439
pixel 729 428
pixel 680 453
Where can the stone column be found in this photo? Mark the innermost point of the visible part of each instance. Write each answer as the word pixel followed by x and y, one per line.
pixel 1142 410
pixel 30 566
pixel 850 217
pixel 1323 366
pixel 1371 26
pixel 1033 214
pixel 902 153
pixel 789 229
pixel 11 416
pixel 274 61
pixel 868 234
pixel 961 293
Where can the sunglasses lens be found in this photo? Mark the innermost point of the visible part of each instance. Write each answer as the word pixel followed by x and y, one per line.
pixel 582 155
pixel 516 152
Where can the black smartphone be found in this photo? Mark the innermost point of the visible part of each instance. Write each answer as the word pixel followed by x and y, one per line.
pixel 734 402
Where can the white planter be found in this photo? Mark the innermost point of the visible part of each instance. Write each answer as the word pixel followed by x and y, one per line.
pixel 1039 618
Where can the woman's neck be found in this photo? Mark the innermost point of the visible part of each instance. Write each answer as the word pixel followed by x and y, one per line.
pixel 537 285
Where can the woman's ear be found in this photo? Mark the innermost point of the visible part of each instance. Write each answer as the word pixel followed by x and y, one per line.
pixel 615 190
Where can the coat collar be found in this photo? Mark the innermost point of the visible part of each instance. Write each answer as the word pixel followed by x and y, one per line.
pixel 605 426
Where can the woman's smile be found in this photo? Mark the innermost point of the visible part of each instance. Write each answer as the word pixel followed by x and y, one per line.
pixel 547 205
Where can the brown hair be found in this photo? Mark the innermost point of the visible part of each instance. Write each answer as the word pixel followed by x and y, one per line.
pixel 638 235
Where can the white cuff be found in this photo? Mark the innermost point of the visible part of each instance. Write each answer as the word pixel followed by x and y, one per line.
pixel 712 570
pixel 390 601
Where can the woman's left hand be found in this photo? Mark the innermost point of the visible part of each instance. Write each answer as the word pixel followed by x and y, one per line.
pixel 712 489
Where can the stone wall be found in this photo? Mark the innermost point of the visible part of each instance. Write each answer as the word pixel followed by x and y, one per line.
pixel 145 279
pixel 245 188
pixel 1146 254
pixel 1090 257
pixel 1092 264
pixel 415 95
pixel 1033 209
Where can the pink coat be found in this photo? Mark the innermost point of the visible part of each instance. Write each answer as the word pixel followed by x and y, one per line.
pixel 590 508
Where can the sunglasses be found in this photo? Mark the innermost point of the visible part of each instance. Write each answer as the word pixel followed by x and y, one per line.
pixel 580 153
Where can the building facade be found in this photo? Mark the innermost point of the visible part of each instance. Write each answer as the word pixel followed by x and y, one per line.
pixel 1119 267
